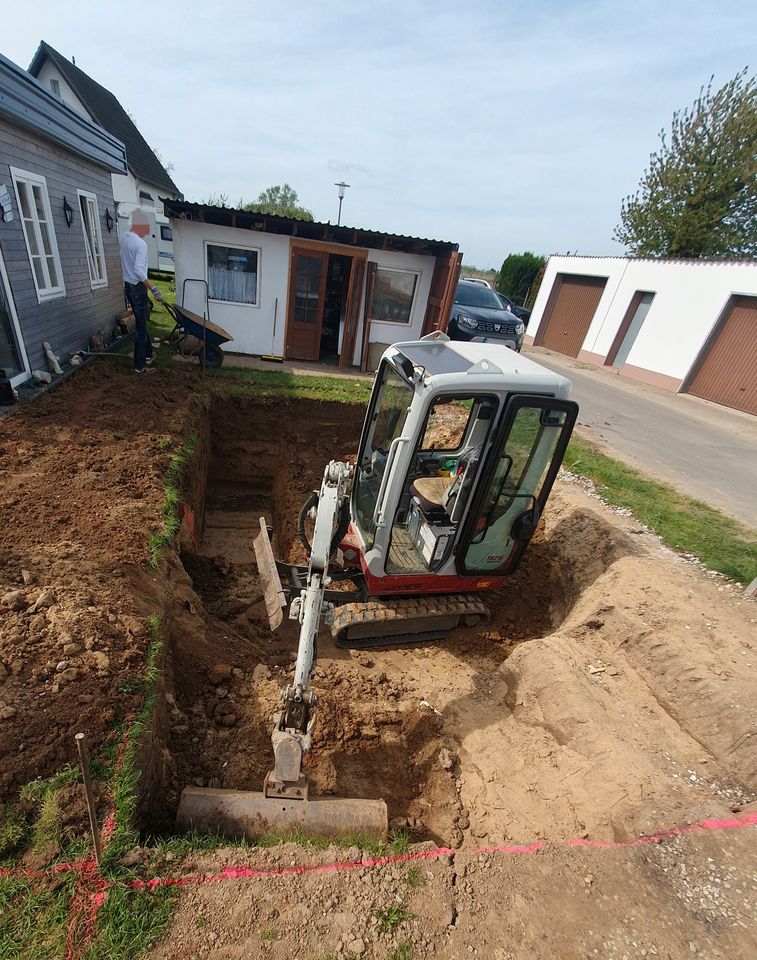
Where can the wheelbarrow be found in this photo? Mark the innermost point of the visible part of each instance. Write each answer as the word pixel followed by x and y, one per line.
pixel 195 336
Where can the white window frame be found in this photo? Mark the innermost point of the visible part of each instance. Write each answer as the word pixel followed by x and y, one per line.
pixel 94 281
pixel 235 246
pixel 31 180
pixel 16 327
pixel 413 273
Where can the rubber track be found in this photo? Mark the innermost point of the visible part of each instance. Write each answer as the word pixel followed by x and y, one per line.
pixel 414 608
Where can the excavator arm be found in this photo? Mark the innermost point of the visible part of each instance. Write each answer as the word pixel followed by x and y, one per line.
pixel 293 724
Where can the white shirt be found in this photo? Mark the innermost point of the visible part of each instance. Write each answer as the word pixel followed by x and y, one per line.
pixel 133 257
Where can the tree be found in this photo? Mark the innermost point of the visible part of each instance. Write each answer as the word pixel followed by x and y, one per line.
pixel 281 200
pixel 217 200
pixel 517 273
pixel 698 197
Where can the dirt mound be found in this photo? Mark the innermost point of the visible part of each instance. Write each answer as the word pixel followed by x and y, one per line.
pixel 612 689
pixel 578 709
pixel 82 492
pixel 612 693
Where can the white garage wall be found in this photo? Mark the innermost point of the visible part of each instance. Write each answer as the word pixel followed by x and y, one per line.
pixel 253 326
pixel 689 298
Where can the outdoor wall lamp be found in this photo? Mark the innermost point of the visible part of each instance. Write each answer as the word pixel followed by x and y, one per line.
pixel 68 213
pixel 108 220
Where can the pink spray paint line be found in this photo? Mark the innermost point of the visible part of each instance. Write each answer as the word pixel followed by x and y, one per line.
pixel 256 873
pixel 86 903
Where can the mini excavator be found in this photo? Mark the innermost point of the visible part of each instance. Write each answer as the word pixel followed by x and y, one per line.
pixel 460 448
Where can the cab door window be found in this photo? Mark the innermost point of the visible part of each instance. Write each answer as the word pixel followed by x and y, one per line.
pixel 438 483
pixel 536 432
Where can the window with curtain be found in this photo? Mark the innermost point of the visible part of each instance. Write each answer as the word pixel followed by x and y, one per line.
pixel 232 274
pixel 93 241
pixel 393 295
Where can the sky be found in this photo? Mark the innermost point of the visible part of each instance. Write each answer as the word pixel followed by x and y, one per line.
pixel 500 126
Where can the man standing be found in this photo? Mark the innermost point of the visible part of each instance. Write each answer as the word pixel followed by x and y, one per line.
pixel 134 268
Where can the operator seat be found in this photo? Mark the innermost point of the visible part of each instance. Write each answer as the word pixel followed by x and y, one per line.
pixel 430 494
pixel 436 496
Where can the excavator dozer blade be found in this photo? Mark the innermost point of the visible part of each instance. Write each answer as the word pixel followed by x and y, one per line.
pixel 241 813
pixel 273 593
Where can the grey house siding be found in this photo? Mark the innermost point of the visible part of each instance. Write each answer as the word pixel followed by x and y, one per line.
pixel 68 321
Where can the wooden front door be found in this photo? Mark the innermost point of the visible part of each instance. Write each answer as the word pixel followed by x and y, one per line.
pixel 307 286
pixel 442 293
pixel 352 311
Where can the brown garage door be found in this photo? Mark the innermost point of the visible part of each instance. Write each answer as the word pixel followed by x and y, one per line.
pixel 726 369
pixel 570 310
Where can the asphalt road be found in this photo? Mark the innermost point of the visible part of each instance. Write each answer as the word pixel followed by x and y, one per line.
pixel 707 451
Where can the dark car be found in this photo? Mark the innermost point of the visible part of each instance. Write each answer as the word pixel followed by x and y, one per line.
pixel 508 304
pixel 478 314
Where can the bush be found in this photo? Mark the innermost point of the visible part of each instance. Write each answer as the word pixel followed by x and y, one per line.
pixel 517 274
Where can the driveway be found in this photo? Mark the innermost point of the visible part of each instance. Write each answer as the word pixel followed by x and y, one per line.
pixel 707 451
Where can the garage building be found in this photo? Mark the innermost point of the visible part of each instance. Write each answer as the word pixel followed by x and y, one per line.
pixel 688 326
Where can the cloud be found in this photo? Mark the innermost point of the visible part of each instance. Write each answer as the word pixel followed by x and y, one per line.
pixel 503 126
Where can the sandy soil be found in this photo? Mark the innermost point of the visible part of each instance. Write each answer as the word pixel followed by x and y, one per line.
pixel 612 694
pixel 688 897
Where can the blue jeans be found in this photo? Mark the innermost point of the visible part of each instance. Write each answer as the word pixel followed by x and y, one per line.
pixel 140 304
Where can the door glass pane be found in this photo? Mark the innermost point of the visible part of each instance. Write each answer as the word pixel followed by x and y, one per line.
pixel 31 238
pixel 39 272
pixel 52 271
pixel 45 238
pixel 87 227
pixel 386 421
pixel 39 204
pixel 10 361
pixel 307 288
pixel 26 210
pixel 439 483
pixel 516 485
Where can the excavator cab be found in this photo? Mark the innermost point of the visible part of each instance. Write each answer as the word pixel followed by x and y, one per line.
pixel 460 448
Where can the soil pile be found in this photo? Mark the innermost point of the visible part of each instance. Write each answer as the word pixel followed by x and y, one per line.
pixel 81 494
pixel 613 692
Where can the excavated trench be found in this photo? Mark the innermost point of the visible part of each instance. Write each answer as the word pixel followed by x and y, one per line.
pixel 376 734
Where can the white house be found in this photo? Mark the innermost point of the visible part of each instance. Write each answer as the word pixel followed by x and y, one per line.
pixel 309 291
pixel 685 325
pixel 146 180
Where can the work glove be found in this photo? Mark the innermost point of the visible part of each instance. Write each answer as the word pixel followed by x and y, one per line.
pixel 155 291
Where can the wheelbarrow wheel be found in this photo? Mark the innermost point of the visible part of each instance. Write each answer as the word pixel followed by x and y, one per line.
pixel 213 355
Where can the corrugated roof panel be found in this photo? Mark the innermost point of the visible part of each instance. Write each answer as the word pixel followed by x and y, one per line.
pixel 183 208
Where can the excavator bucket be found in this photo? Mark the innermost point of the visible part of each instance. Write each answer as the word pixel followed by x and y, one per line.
pixel 238 814
pixel 284 805
pixel 273 592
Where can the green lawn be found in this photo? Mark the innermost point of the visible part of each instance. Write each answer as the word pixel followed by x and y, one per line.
pixel 685 524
